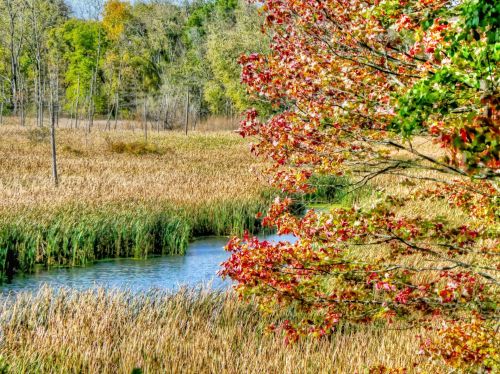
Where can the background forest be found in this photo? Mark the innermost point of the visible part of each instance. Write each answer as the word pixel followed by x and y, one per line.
pixel 159 61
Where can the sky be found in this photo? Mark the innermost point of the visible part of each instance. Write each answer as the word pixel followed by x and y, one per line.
pixel 81 8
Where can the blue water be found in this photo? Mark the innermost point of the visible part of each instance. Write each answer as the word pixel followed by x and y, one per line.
pixel 198 267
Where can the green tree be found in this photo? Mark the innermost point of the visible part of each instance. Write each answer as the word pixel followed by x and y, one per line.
pixel 228 40
pixel 79 43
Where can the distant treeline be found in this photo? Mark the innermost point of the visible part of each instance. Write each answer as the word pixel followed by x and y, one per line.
pixel 156 60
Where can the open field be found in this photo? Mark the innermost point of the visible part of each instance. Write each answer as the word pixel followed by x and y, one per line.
pixel 119 196
pixel 189 332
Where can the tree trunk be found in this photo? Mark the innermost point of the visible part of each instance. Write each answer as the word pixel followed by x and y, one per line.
pixel 90 113
pixel 108 121
pixel 186 120
pixel 58 107
pixel 117 95
pixel 165 113
pixel 93 84
pixel 53 141
pixel 21 102
pixel 39 92
pixel 2 97
pixel 77 108
pixel 72 115
pixel 13 59
pixel 117 108
pixel 145 116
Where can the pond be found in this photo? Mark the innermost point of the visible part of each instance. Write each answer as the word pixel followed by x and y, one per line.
pixel 198 267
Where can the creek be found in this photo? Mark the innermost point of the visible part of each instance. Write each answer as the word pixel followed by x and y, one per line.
pixel 198 267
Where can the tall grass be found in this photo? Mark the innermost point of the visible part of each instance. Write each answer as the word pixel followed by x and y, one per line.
pixel 73 239
pixel 121 197
pixel 99 331
pixel 77 236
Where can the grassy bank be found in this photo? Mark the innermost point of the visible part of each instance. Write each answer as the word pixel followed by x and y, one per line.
pixel 77 236
pixel 120 196
pixel 188 332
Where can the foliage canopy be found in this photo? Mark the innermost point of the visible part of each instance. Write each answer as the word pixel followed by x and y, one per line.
pixel 357 90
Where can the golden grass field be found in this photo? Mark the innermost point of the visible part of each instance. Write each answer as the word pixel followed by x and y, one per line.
pixel 119 196
pixel 186 332
pixel 198 169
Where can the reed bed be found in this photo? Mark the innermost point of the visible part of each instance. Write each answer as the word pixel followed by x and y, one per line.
pixel 104 331
pixel 120 195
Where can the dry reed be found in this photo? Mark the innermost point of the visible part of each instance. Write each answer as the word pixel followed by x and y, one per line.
pixel 119 195
pixel 102 331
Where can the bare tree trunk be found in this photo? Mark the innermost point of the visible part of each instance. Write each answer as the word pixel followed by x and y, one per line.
pixel 41 102
pixel 145 116
pixel 21 101
pixel 174 112
pixel 50 106
pixel 195 122
pixel 23 118
pixel 77 108
pixel 108 121
pixel 90 114
pixel 117 95
pixel 158 121
pixel 58 107
pixel 93 84
pixel 39 93
pixel 165 113
pixel 14 53
pixel 72 115
pixel 186 120
pixel 2 97
pixel 117 108
pixel 53 141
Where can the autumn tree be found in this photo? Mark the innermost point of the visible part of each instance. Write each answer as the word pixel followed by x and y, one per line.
pixel 148 57
pixel 358 88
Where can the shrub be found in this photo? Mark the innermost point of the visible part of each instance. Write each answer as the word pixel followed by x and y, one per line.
pixel 136 148
pixel 38 135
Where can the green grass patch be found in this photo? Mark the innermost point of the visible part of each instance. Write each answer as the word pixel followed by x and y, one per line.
pixel 136 148
pixel 332 191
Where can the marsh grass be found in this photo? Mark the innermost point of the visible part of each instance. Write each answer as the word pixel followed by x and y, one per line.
pixel 120 196
pixel 38 135
pixel 134 147
pixel 79 235
pixel 113 204
pixel 76 238
pixel 190 331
